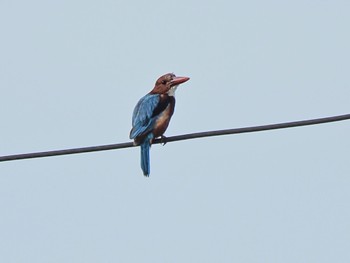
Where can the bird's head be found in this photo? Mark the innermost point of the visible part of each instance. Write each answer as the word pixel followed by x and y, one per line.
pixel 168 84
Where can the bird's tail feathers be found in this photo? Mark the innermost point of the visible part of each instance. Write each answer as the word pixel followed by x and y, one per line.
pixel 145 159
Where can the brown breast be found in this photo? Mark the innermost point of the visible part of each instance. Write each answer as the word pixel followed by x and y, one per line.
pixel 164 117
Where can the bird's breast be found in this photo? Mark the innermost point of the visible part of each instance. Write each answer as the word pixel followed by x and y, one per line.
pixel 164 117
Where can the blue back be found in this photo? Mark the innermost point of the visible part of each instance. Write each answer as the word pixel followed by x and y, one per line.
pixel 142 118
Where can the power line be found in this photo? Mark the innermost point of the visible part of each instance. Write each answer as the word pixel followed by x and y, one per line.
pixel 176 138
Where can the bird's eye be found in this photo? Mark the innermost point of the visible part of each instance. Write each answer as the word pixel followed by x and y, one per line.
pixel 164 82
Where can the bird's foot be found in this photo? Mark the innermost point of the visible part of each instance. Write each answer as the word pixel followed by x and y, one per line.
pixel 163 140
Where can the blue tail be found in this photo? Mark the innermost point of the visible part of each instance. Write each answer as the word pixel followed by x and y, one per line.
pixel 145 162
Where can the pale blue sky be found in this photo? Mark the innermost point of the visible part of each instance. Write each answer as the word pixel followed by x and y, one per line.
pixel 71 73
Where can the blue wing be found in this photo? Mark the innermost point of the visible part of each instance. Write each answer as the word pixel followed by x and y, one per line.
pixel 143 118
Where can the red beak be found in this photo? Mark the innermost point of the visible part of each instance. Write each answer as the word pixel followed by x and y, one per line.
pixel 178 80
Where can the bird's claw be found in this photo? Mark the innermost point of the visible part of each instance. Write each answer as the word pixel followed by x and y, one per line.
pixel 163 140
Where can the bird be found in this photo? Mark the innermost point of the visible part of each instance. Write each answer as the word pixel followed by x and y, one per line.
pixel 152 114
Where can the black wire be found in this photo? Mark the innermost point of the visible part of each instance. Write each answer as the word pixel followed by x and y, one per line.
pixel 176 138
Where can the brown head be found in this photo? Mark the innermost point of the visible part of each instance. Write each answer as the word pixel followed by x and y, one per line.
pixel 168 84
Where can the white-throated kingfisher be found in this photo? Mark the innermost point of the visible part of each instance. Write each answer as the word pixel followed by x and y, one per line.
pixel 152 115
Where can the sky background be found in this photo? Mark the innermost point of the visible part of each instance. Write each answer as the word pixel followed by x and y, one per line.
pixel 71 73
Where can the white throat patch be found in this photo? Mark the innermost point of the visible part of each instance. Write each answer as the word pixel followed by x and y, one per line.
pixel 172 90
